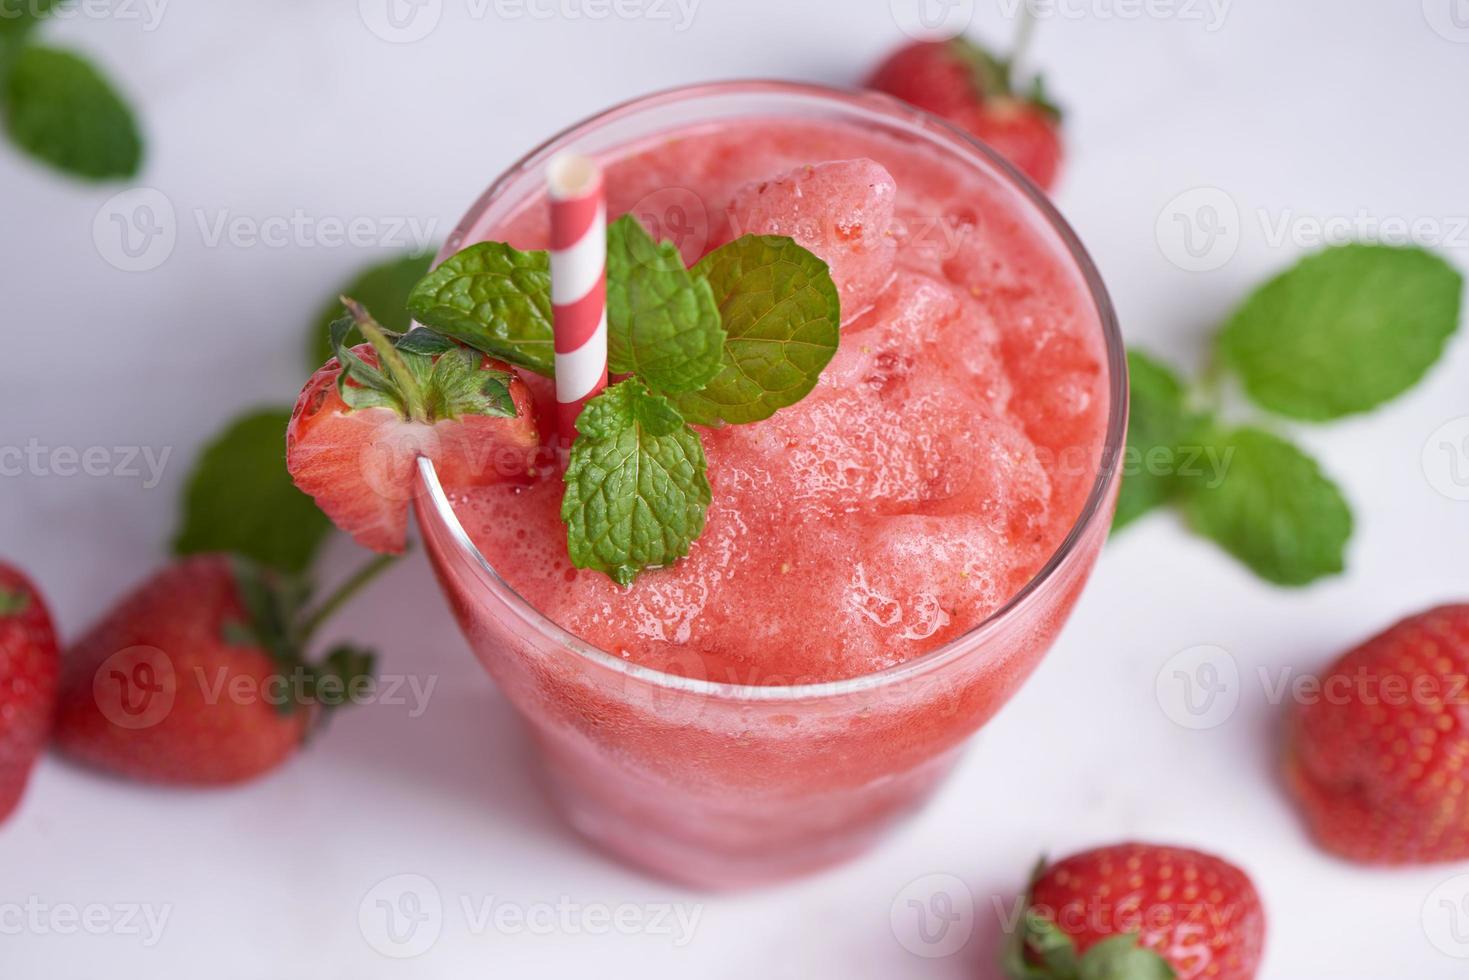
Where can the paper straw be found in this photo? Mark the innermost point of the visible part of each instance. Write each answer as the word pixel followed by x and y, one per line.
pixel 578 284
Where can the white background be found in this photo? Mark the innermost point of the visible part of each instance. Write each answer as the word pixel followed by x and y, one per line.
pixel 256 110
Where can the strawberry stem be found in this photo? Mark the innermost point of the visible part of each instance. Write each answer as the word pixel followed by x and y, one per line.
pixel 390 360
pixel 313 620
pixel 1024 31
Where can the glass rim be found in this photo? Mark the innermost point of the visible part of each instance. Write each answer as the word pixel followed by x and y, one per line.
pixel 1091 511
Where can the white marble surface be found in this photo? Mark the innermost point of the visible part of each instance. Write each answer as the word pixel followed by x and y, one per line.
pixel 1316 109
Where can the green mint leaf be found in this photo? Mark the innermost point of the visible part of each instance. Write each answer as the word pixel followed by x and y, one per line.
pixel 17 19
pixel 60 109
pixel 495 299
pixel 636 491
pixel 382 288
pixel 662 323
pixel 1162 433
pixel 1273 508
pixel 240 498
pixel 1344 330
pixel 1121 958
pixel 781 313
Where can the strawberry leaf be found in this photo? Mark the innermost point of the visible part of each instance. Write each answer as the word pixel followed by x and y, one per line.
pixel 662 322
pixel 781 314
pixel 636 490
pixel 61 110
pixel 1121 958
pixel 495 299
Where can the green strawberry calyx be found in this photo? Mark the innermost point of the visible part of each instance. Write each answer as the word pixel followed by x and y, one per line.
pixel 422 375
pixel 13 603
pixel 996 79
pixel 1038 949
pixel 281 619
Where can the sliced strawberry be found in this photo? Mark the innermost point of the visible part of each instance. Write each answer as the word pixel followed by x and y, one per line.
pixel 841 210
pixel 356 432
pixel 28 668
pixel 197 677
pixel 965 84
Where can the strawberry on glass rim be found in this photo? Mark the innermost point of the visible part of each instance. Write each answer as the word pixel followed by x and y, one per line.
pixel 367 414
pixel 962 82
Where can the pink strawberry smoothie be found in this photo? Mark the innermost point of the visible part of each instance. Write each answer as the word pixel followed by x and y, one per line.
pixel 944 455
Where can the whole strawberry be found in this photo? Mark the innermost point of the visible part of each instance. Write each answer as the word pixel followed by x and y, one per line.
pixel 965 84
pixel 28 668
pixel 365 417
pixel 1139 912
pixel 1376 757
pixel 198 676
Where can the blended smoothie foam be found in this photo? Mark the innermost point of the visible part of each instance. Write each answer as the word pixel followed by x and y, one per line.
pixel 942 458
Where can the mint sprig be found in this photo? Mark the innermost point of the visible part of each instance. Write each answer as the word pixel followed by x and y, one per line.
pixel 745 332
pixel 662 322
pixel 1344 330
pixel 636 490
pixel 494 298
pixel 781 313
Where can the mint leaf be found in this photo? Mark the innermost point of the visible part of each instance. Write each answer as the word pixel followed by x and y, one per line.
pixel 495 299
pixel 1344 330
pixel 1121 958
pixel 382 288
pixel 662 323
pixel 1161 433
pixel 781 313
pixel 1273 509
pixel 59 109
pixel 17 19
pixel 636 493
pixel 240 498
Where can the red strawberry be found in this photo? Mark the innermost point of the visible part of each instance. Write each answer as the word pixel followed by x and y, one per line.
pixel 355 433
pixel 1139 911
pixel 961 82
pixel 1376 756
pixel 28 667
pixel 197 676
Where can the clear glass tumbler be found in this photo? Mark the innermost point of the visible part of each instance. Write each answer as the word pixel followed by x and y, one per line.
pixel 724 785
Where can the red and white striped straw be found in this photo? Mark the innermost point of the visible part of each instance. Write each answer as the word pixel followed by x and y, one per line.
pixel 578 284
